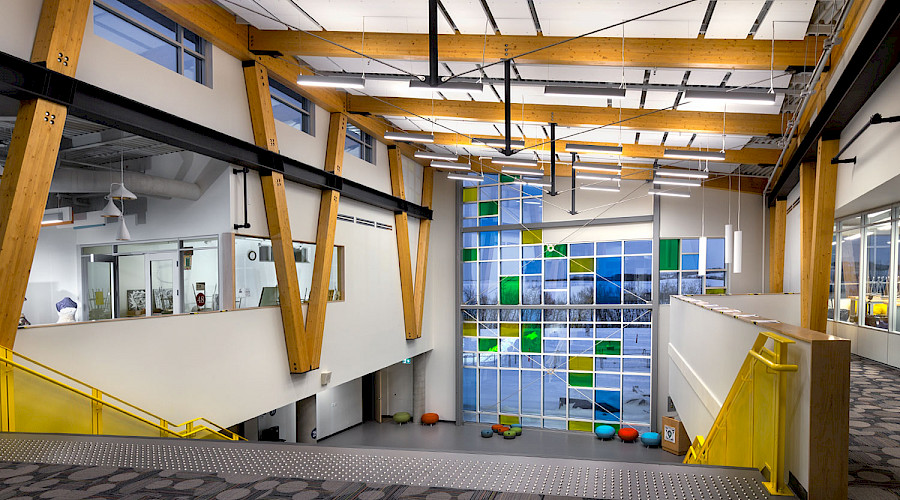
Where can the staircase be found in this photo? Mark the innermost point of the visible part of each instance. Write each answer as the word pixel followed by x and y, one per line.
pixel 37 398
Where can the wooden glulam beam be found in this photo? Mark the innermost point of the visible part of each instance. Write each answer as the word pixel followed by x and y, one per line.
pixel 327 222
pixel 571 116
pixel 776 279
pixel 31 157
pixel 401 227
pixel 259 99
pixel 754 156
pixel 422 249
pixel 592 51
pixel 822 234
pixel 806 207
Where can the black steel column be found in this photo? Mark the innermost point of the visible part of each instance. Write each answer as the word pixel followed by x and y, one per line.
pixel 573 212
pixel 507 92
pixel 433 78
pixel 553 160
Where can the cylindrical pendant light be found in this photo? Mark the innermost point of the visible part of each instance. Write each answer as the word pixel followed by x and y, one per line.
pixel 738 257
pixel 701 270
pixel 729 242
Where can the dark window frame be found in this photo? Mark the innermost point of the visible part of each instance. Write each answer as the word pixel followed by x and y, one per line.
pixel 365 141
pixel 296 102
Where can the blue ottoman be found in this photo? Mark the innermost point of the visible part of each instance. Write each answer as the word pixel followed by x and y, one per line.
pixel 651 439
pixel 486 433
pixel 605 432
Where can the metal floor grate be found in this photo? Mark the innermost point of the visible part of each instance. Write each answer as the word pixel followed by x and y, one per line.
pixel 582 478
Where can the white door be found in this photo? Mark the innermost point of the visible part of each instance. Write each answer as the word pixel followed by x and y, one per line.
pixel 163 284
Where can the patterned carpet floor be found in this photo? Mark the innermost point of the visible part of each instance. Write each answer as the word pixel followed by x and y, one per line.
pixel 874 430
pixel 75 482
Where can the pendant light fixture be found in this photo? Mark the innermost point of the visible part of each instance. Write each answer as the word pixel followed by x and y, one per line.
pixel 409 137
pixel 337 82
pixel 729 229
pixel 120 192
pixel 432 155
pixel 496 142
pixel 738 237
pixel 674 194
pixel 701 265
pixel 593 148
pixel 684 174
pixel 733 97
pixel 685 154
pixel 597 167
pixel 122 233
pixel 515 162
pixel 464 177
pixel 599 92
pixel 522 171
pixel 676 182
pixel 110 210
pixel 451 165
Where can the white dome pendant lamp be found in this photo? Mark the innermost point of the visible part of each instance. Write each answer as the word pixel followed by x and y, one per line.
pixel 110 210
pixel 120 192
pixel 122 233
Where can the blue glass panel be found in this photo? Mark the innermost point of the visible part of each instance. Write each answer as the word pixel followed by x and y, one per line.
pixel 509 253
pixel 509 361
pixel 636 365
pixel 608 364
pixel 531 315
pixel 469 284
pixel 554 395
pixel 510 237
pixel 490 253
pixel 509 212
pixel 555 330
pixel 470 344
pixel 555 272
pixel 608 406
pixel 554 346
pixel 609 248
pixel 531 361
pixel 486 193
pixel 510 190
pixel 637 284
pixel 636 340
pixel 509 391
pixel 529 190
pixel 690 245
pixel 470 209
pixel 581 331
pixel 470 240
pixel 532 252
pixel 636 399
pixel 555 298
pixel 531 292
pixel 581 289
pixel 469 358
pixel 488 238
pixel 488 282
pixel 532 210
pixel 488 221
pixel 531 392
pixel 556 363
pixel 509 267
pixel 491 179
pixel 608 332
pixel 487 390
pixel 581 347
pixel 609 280
pixel 580 404
pixel 638 246
pixel 690 262
pixel 489 360
pixel 715 253
pixel 531 267
pixel 469 222
pixel 469 388
pixel 282 112
pixel 608 380
pixel 581 250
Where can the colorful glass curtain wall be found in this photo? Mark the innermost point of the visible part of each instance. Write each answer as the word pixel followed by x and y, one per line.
pixel 554 335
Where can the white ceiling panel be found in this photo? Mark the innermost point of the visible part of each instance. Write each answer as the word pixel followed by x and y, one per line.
pixel 651 138
pixel 678 139
pixel 576 17
pixel 516 25
pixel 321 63
pixel 260 14
pixel 734 108
pixel 659 99
pixel 468 15
pixel 357 15
pixel 513 17
pixel 753 78
pixel 575 73
pixel 733 18
pixel 791 20
pixel 706 76
pixel 666 76
pixel 713 142
pixel 662 29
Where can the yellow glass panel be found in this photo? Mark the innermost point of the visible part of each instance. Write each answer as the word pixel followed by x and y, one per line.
pixel 508 420
pixel 470 329
pixel 581 363
pixel 531 236
pixel 470 194
pixel 509 330
pixel 117 423
pixel 42 406
pixel 577 425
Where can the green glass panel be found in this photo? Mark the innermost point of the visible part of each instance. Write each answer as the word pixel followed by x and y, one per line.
pixel 470 194
pixel 614 426
pixel 508 419
pixel 470 254
pixel 509 330
pixel 577 425
pixel 487 345
pixel 470 329
pixel 506 178
pixel 585 265
pixel 488 208
pixel 581 363
pixel 531 337
pixel 581 379
pixel 551 251
pixel 509 290
pixel 715 291
pixel 608 347
pixel 531 236
pixel 668 254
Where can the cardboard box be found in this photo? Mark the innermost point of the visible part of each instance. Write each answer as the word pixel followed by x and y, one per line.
pixel 675 439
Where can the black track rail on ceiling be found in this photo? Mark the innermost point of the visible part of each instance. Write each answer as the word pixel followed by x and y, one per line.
pixel 876 56
pixel 21 80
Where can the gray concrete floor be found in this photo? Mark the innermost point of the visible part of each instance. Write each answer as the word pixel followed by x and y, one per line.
pixel 447 436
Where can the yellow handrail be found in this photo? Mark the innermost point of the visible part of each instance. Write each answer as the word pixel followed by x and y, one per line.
pixel 98 404
pixel 749 430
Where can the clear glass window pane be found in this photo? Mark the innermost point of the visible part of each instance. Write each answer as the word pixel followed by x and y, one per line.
pixel 849 293
pixel 135 39
pixel 878 274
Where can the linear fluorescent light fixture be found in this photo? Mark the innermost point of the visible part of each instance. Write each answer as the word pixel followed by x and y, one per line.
pixel 451 165
pixel 432 155
pixel 522 171
pixel 600 92
pixel 465 177
pixel 684 174
pixel 338 82
pixel 735 97
pixel 448 86
pixel 593 148
pixel 597 167
pixel 515 162
pixel 695 155
pixel 409 137
pixel 676 194
pixel 600 188
pixel 677 182
pixel 595 177
pixel 497 142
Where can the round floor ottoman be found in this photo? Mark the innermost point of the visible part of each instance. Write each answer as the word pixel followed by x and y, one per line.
pixel 649 439
pixel 517 430
pixel 402 417
pixel 605 432
pixel 628 434
pixel 486 433
pixel 509 434
pixel 429 418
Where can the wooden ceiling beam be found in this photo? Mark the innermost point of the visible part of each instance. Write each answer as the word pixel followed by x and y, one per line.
pixel 592 51
pixel 572 116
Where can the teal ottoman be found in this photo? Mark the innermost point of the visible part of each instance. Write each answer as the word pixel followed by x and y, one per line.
pixel 402 417
pixel 605 432
pixel 486 433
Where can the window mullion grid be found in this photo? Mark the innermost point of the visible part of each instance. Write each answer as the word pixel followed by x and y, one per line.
pixel 892 286
pixel 138 24
pixel 863 274
pixel 838 274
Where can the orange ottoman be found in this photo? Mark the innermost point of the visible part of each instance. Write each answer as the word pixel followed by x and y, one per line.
pixel 628 434
pixel 496 428
pixel 429 418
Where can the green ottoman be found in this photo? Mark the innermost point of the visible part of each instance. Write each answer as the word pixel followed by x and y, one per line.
pixel 510 434
pixel 517 430
pixel 402 417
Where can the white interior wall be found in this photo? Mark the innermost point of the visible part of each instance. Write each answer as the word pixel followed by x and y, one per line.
pixel 286 420
pixel 338 407
pixel 397 389
pixel 54 275
pixel 792 233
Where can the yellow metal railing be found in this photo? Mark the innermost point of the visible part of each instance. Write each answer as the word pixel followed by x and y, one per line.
pixel 37 398
pixel 750 428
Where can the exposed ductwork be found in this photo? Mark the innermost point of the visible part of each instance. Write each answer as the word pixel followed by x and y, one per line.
pixel 74 180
